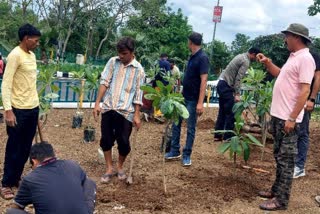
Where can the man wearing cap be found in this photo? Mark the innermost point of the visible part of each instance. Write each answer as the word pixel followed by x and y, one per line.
pixel 194 88
pixel 290 94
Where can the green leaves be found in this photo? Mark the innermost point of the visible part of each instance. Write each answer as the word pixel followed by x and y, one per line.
pixel 170 104
pixel 239 143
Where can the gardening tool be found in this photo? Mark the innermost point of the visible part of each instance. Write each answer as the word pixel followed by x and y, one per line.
pixel 134 141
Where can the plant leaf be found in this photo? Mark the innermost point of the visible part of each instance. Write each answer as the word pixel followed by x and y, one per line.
pixel 246 150
pixel 254 140
pixel 224 147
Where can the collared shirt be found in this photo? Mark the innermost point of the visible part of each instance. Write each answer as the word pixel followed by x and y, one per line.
pixel 56 187
pixel 19 88
pixel 198 65
pixel 298 69
pixel 123 86
pixel 235 71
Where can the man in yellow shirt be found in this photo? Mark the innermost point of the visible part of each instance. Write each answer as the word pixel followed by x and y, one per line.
pixel 21 105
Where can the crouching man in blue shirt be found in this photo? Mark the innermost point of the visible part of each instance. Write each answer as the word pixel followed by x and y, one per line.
pixel 54 186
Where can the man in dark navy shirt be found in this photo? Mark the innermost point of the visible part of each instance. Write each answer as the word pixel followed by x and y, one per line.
pixel 194 87
pixel 303 139
pixel 164 67
pixel 54 186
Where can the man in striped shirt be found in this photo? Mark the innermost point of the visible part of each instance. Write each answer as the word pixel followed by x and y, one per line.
pixel 122 99
pixel 228 89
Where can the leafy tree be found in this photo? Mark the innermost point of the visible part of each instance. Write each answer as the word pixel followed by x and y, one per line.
pixel 167 30
pixel 315 8
pixel 241 44
pixel 274 47
pixel 220 56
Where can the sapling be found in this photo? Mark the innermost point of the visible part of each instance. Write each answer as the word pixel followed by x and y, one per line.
pixel 172 107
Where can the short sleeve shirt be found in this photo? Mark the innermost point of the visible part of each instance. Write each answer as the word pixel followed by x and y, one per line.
pixel 198 64
pixel 298 69
pixel 54 188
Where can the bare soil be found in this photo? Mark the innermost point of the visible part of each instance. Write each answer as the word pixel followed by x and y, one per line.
pixel 210 185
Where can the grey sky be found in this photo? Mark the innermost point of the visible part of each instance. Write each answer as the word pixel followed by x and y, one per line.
pixel 250 17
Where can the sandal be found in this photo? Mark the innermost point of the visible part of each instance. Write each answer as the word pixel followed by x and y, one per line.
pixel 272 205
pixel 266 194
pixel 121 175
pixel 7 193
pixel 106 178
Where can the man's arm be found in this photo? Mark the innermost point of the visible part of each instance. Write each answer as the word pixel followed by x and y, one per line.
pixel 202 93
pixel 272 68
pixel 314 91
pixel 241 73
pixel 97 109
pixel 137 99
pixel 105 81
pixel 6 88
pixel 302 98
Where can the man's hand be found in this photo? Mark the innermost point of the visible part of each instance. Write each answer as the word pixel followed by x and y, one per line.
pixel 137 121
pixel 262 58
pixel 10 118
pixel 309 105
pixel 289 126
pixel 96 112
pixel 200 109
pixel 237 98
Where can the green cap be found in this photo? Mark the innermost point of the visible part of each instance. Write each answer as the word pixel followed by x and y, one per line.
pixel 298 29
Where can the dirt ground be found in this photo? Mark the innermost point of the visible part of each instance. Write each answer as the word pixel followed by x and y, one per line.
pixel 210 185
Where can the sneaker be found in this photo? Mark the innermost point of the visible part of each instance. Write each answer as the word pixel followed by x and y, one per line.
pixel 186 161
pixel 317 198
pixel 298 172
pixel 172 156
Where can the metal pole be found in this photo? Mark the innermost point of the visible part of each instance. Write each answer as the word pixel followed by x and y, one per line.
pixel 214 30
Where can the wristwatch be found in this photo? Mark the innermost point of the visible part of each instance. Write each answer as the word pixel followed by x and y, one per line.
pixel 291 119
pixel 312 100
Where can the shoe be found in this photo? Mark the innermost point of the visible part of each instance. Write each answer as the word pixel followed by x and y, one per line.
pixel 106 178
pixel 298 172
pixel 172 156
pixel 272 205
pixel 317 198
pixel 186 161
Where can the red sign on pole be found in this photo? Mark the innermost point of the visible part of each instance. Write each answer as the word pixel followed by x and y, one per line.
pixel 217 13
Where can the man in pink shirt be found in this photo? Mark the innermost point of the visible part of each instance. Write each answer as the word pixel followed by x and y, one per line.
pixel 290 94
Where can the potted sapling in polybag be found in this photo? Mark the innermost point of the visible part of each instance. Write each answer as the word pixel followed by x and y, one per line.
pixel 91 85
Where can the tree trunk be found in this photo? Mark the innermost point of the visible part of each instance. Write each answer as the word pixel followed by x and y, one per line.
pixel 66 42
pixel 114 18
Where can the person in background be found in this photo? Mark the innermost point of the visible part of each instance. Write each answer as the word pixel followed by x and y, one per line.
pixel 122 99
pixel 54 186
pixel 21 105
pixel 303 140
pixel 175 72
pixel 194 89
pixel 228 89
pixel 290 94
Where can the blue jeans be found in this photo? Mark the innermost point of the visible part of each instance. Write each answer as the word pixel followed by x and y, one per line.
pixel 191 130
pixel 303 140
pixel 225 120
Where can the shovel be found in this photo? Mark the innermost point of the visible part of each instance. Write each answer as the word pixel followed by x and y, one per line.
pixel 134 141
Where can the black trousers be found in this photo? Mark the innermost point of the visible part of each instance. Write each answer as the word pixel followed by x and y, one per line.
pixel 19 144
pixel 115 127
pixel 225 119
